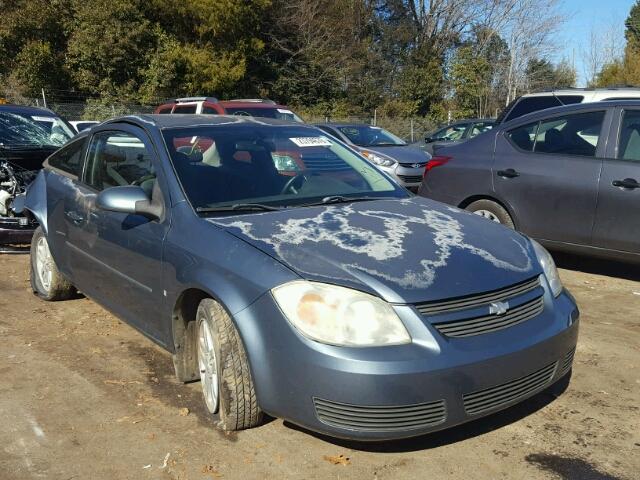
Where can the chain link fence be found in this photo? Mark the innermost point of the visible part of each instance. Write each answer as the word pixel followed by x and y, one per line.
pixel 411 129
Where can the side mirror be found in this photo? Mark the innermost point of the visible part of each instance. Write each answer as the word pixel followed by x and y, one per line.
pixel 128 199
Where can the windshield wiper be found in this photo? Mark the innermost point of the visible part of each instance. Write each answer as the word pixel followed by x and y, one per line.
pixel 339 199
pixel 237 207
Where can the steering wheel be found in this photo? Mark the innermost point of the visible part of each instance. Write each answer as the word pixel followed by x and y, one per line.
pixel 290 185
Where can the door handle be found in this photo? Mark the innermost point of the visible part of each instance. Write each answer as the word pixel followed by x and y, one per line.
pixel 508 173
pixel 626 183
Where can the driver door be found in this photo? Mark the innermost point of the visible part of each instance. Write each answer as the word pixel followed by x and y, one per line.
pixel 117 257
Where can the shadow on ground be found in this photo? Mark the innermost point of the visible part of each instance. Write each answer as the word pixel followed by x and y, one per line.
pixel 598 266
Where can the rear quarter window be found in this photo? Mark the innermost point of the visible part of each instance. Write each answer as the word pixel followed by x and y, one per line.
pixel 532 104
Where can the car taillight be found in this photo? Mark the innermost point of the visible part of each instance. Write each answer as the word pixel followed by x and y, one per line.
pixel 436 161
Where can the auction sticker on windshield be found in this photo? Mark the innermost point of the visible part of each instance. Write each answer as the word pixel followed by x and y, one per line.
pixel 311 141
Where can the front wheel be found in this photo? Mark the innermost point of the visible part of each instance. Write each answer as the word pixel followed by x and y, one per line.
pixel 491 211
pixel 225 376
pixel 46 280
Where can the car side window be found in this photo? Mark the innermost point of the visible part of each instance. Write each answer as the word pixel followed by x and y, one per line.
pixel 532 104
pixel 523 137
pixel 69 158
pixel 165 110
pixel 452 133
pixel 629 141
pixel 117 158
pixel 190 108
pixel 479 128
pixel 576 134
pixel 209 110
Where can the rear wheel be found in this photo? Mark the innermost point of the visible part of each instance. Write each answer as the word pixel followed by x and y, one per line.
pixel 46 280
pixel 491 211
pixel 226 380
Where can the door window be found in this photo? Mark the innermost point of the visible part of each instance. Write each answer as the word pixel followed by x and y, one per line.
pixel 206 110
pixel 523 137
pixel 452 133
pixel 629 143
pixel 68 159
pixel 576 134
pixel 479 128
pixel 117 159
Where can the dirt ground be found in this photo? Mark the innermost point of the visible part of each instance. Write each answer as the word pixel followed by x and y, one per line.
pixel 84 396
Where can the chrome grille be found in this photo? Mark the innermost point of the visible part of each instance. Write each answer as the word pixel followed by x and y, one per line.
pixel 380 418
pixel 462 303
pixel 491 323
pixel 501 395
pixel 410 178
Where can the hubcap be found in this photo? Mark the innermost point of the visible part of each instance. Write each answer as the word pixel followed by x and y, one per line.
pixel 44 263
pixel 208 367
pixel 488 215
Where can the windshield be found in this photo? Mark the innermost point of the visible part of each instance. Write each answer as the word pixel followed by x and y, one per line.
pixel 277 166
pixel 23 130
pixel 368 136
pixel 279 113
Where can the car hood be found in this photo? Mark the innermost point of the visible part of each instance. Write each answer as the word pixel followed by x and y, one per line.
pixel 405 154
pixel 405 251
pixel 29 158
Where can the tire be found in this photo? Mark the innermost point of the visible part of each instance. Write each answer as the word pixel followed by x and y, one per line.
pixel 491 211
pixel 46 280
pixel 236 397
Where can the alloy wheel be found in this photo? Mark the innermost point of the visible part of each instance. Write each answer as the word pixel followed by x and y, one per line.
pixel 208 367
pixel 44 263
pixel 488 215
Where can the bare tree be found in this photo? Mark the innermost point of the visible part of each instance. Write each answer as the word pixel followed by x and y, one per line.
pixel 605 46
pixel 528 30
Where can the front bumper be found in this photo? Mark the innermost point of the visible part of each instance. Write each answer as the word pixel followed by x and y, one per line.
pixel 407 176
pixel 16 230
pixel 402 391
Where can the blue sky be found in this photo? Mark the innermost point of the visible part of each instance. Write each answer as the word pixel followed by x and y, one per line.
pixel 583 15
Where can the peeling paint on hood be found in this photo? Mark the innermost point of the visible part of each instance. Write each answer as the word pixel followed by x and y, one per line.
pixel 406 251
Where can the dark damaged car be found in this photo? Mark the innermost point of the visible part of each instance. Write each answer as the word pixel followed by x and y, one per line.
pixel 292 277
pixel 28 135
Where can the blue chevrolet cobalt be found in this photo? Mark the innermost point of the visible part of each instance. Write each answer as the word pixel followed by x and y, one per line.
pixel 290 276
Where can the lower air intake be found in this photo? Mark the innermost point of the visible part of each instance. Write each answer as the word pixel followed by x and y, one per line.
pixel 380 418
pixel 496 397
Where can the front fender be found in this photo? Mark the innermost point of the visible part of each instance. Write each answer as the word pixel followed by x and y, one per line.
pixel 35 199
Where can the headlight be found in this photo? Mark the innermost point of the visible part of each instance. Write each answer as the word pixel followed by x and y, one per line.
pixel 379 159
pixel 340 316
pixel 549 267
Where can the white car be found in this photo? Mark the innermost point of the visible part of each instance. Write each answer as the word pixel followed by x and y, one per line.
pixel 532 102
pixel 81 125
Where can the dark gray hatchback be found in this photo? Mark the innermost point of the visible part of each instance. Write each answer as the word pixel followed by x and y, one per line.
pixel 292 277
pixel 567 176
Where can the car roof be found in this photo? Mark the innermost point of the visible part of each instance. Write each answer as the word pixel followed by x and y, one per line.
pixel 591 92
pixel 344 124
pixel 575 107
pixel 241 102
pixel 191 120
pixel 27 110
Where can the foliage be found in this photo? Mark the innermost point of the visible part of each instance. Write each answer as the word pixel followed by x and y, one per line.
pixel 625 71
pixel 433 58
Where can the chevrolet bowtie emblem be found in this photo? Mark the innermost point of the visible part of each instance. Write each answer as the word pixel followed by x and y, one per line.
pixel 498 308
